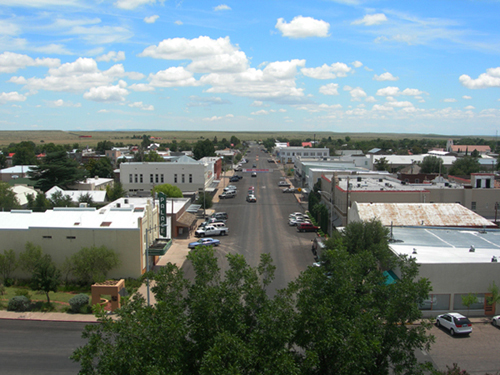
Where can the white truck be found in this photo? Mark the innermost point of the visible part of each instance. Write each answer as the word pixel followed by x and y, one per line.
pixel 210 230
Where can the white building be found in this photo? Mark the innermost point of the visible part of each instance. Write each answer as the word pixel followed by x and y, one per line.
pixel 289 154
pixel 187 174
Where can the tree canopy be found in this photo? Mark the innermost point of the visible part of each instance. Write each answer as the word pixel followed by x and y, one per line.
pixel 203 148
pixel 465 166
pixel 8 199
pixel 169 190
pixel 431 164
pixel 101 167
pixel 91 264
pixel 57 169
pixel 340 318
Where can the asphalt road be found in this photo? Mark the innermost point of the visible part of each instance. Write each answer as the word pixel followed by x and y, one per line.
pixel 262 227
pixel 35 347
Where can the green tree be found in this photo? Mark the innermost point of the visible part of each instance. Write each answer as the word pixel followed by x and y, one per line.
pixel 8 199
pixel 29 258
pixel 8 264
pixel 39 203
pixel 431 164
pixel 101 167
pixel 219 324
pixel 103 146
pixel 92 264
pixel 170 191
pixel 3 160
pixel 56 170
pixel 57 199
pixel 153 156
pixel 235 141
pixel 173 146
pixel 494 298
pixel 464 166
pixel 205 200
pixel 116 191
pixel 381 164
pixel 203 148
pixel 24 155
pixel 46 277
pixel 86 198
pixel 184 146
pixel 468 300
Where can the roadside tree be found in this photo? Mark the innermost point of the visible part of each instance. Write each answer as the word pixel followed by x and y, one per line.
pixel 46 277
pixel 39 203
pixel 431 164
pixel 8 265
pixel 464 166
pixel 115 192
pixel 170 191
pixel 91 264
pixel 59 200
pixel 205 200
pixel 29 258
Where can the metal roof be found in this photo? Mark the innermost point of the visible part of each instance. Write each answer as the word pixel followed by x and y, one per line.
pixel 422 214
pixel 445 246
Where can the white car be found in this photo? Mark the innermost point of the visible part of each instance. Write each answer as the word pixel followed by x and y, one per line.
pixel 496 320
pixel 230 188
pixel 298 220
pixel 456 323
pixel 295 214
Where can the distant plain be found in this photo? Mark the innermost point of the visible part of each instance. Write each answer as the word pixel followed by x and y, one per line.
pixel 91 139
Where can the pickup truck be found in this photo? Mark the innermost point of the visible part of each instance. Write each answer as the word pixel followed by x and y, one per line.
pixel 210 230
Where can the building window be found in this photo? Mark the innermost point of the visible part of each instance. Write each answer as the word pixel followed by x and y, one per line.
pixel 156 178
pixel 71 237
pixel 151 178
pixel 478 183
pixel 417 180
pixel 140 178
pixel 135 178
pixel 473 206
pixel 48 237
pixel 436 302
pixel 175 178
pixel 130 178
pixel 190 178
pixel 183 178
pixel 458 305
pixel 161 178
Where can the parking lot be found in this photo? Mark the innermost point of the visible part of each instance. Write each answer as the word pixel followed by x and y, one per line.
pixel 476 353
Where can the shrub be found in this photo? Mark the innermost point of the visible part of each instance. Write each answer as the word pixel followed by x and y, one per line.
pixel 19 303
pixel 23 293
pixel 78 301
pixel 2 289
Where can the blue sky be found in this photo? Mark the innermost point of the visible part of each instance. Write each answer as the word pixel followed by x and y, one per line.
pixel 333 65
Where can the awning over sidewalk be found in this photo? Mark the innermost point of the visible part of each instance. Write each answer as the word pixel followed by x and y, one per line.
pixel 187 220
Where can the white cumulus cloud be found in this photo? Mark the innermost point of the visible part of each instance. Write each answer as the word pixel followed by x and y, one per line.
pixel 112 56
pixel 14 96
pixel 485 80
pixel 115 93
pixel 151 19
pixel 385 77
pixel 357 64
pixel 172 77
pixel 10 62
pixel 132 4
pixel 329 89
pixel 142 106
pixel 327 71
pixel 303 27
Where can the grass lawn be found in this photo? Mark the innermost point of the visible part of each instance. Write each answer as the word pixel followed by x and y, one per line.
pixel 59 300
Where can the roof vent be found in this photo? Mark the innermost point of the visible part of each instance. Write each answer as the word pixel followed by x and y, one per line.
pixel 494 259
pixel 472 249
pixel 414 251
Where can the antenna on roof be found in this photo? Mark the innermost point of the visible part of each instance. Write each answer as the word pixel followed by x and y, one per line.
pixel 472 249
pixel 494 259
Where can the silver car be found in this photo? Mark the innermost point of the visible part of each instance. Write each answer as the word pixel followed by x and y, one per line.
pixel 456 323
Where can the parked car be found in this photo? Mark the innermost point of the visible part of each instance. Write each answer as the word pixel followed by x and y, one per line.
pixel 456 323
pixel 297 221
pixel 238 176
pixel 204 242
pixel 251 199
pixel 289 190
pixel 211 230
pixel 284 184
pixel 296 215
pixel 307 227
pixel 234 179
pixel 254 174
pixel 228 194
pixel 251 188
pixel 220 215
pixel 230 187
pixel 238 169
pixel 496 320
pixel 254 166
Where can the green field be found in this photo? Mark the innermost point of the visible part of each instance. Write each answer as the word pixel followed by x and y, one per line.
pixel 92 138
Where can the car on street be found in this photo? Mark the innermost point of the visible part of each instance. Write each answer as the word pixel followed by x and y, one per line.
pixel 228 194
pixel 283 184
pixel 254 166
pixel 220 215
pixel 204 242
pixel 251 199
pixel 230 187
pixel 454 322
pixel 296 215
pixel 234 179
pixel 254 174
pixel 238 169
pixel 289 190
pixel 307 227
pixel 496 320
